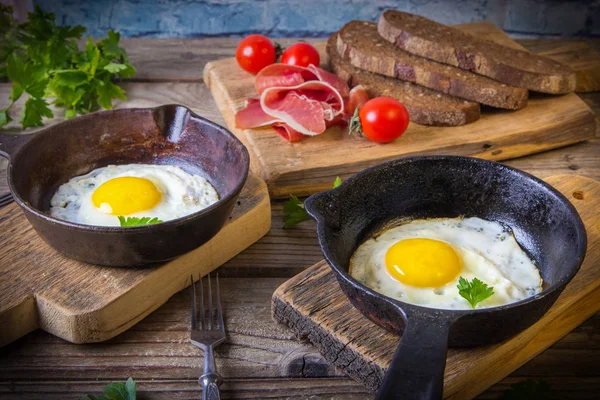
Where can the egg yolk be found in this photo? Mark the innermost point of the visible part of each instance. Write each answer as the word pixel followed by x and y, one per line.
pixel 422 262
pixel 126 195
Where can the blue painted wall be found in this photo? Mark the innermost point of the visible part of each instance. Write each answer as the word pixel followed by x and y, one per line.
pixel 288 18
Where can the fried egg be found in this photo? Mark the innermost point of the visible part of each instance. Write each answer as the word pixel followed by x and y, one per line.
pixel 421 262
pixel 135 190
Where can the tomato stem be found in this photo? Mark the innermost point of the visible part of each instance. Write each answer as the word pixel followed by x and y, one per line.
pixel 279 49
pixel 354 126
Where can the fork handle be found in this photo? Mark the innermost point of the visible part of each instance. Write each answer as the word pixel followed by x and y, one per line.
pixel 210 386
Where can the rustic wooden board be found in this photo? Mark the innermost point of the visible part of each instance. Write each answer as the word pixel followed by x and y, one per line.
pixel 577 54
pixel 82 303
pixel 584 59
pixel 311 165
pixel 313 305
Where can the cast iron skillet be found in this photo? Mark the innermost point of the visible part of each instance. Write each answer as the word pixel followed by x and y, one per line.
pixel 544 223
pixel 169 134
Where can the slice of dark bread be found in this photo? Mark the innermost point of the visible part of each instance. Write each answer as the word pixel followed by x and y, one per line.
pixel 360 44
pixel 426 38
pixel 425 106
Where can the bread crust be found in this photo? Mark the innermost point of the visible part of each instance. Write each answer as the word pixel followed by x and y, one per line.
pixel 425 106
pixel 426 38
pixel 360 44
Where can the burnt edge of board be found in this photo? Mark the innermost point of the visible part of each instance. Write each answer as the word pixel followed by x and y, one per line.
pixel 341 355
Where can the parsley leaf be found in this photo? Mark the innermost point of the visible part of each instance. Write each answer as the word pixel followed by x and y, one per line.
pixel 33 112
pixel 117 391
pixel 475 291
pixel 528 390
pixel 43 60
pixel 16 92
pixel 135 221
pixel 293 209
pixel 114 67
pixel 4 118
pixel 337 182
pixel 294 212
pixel 107 91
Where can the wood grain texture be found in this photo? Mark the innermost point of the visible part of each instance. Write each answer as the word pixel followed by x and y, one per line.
pixel 582 56
pixel 183 60
pixel 313 305
pixel 85 303
pixel 261 359
pixel 311 165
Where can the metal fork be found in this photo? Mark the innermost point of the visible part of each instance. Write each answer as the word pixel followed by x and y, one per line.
pixel 207 336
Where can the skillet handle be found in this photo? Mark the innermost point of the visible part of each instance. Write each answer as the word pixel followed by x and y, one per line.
pixel 417 369
pixel 10 144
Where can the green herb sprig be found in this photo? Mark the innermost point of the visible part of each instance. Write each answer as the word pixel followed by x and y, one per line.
pixel 293 209
pixel 116 391
pixel 43 61
pixel 135 221
pixel 475 291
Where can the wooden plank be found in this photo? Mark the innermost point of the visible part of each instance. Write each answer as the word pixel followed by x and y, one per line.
pixel 194 95
pixel 181 59
pixel 260 389
pixel 261 359
pixel 313 305
pixel 85 303
pixel 175 59
pixel 286 252
pixel 311 165
pixel 581 55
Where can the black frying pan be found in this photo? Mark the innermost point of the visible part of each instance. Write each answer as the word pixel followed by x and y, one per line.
pixel 171 134
pixel 544 223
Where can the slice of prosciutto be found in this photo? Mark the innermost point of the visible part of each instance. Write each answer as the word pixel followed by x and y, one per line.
pixel 305 107
pixel 296 101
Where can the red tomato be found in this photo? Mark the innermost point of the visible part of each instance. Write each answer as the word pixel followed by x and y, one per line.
pixel 254 53
pixel 383 119
pixel 301 54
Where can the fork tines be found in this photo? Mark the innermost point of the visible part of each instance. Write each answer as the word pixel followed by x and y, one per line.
pixel 198 310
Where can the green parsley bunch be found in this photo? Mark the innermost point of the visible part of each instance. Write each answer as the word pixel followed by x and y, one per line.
pixel 43 61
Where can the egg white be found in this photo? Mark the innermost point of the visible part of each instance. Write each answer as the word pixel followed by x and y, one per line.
pixel 488 251
pixel 182 194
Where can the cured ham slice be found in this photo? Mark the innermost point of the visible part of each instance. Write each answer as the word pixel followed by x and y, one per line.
pixel 287 132
pixel 301 107
pixel 253 116
pixel 282 75
pixel 296 101
pixel 332 79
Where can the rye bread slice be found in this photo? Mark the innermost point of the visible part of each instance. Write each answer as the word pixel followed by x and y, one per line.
pixel 426 38
pixel 425 106
pixel 360 44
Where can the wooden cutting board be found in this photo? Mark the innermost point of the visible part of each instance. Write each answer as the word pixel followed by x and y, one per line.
pixel 311 165
pixel 82 303
pixel 314 307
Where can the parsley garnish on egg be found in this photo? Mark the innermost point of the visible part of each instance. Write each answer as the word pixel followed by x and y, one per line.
pixel 134 221
pixel 475 291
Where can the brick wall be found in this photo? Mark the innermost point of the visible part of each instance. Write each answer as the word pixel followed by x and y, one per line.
pixel 288 18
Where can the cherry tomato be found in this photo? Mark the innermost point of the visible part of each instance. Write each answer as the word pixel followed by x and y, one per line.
pixel 357 98
pixel 254 53
pixel 301 54
pixel 383 119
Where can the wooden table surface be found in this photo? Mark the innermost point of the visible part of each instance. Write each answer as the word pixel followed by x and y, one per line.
pixel 261 359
